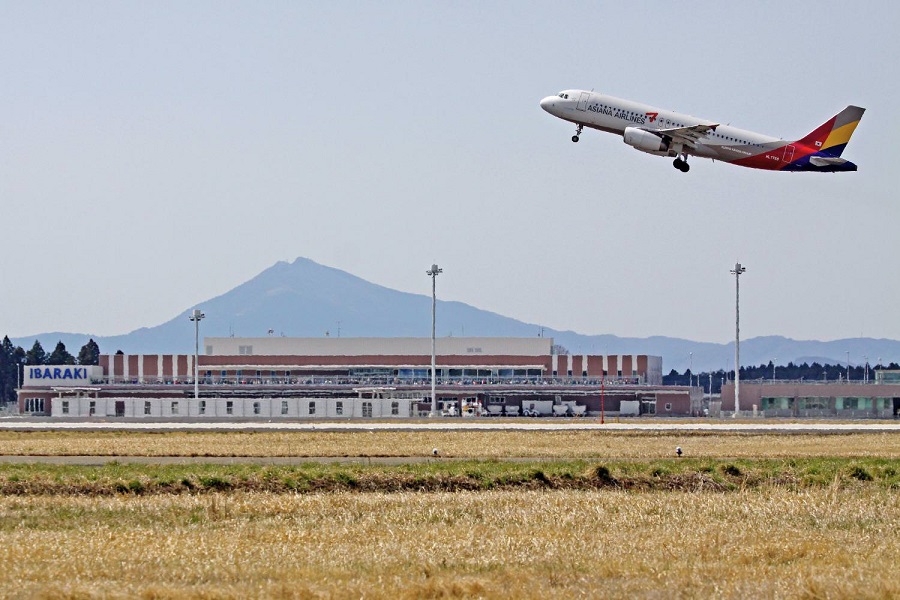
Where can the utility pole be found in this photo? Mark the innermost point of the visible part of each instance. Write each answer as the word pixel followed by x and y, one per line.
pixel 738 269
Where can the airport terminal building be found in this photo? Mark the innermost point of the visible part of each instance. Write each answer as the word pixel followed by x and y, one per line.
pixel 278 377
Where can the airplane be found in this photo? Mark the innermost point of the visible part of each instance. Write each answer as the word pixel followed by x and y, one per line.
pixel 667 133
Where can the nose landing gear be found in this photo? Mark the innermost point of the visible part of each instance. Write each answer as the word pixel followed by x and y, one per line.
pixel 577 132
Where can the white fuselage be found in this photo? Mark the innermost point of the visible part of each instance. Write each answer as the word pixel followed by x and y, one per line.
pixel 613 115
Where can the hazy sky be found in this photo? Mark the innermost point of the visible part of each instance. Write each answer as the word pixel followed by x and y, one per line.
pixel 156 154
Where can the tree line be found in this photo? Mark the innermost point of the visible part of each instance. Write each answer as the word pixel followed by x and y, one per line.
pixel 813 372
pixel 14 359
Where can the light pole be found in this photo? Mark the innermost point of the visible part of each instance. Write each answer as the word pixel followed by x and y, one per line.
pixel 848 366
pixel 866 376
pixel 773 369
pixel 691 369
pixel 433 273
pixel 196 315
pixel 738 269
pixel 20 370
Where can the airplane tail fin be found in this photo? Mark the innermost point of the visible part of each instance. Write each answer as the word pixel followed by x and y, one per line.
pixel 833 135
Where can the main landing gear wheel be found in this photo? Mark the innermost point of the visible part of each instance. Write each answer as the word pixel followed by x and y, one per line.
pixel 577 133
pixel 681 165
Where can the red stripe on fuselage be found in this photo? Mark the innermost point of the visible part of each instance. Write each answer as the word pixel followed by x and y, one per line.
pixel 776 158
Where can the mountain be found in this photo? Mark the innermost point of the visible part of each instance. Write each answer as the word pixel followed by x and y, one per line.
pixel 306 299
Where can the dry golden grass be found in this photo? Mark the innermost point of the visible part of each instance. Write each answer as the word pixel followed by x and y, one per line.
pixel 834 537
pixel 829 542
pixel 453 444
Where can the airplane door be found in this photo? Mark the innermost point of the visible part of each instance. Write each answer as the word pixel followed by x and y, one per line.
pixel 788 154
pixel 582 101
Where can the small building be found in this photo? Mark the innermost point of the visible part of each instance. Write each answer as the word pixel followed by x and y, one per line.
pixel 851 400
pixel 179 407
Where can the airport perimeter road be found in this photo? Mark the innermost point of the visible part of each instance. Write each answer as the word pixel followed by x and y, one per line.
pixel 24 424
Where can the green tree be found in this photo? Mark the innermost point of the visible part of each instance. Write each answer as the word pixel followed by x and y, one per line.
pixel 37 355
pixel 11 360
pixel 60 356
pixel 7 368
pixel 89 353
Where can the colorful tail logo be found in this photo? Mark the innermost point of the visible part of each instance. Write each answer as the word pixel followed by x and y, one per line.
pixel 833 135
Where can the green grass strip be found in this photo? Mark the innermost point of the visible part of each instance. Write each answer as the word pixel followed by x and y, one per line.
pixel 664 474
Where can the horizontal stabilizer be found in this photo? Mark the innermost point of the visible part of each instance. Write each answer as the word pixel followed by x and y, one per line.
pixel 824 161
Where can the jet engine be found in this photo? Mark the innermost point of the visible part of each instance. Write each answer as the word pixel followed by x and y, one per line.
pixel 645 141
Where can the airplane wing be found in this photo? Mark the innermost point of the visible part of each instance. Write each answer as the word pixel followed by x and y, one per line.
pixel 688 136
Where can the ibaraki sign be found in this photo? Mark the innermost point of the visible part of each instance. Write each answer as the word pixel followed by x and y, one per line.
pixel 63 375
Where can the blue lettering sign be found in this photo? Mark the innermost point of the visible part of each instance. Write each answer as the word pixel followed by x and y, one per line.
pixel 58 373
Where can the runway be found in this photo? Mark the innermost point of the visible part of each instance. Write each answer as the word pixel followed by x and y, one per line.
pixel 19 424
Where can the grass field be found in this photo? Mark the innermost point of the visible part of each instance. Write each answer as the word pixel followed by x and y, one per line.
pixel 822 543
pixel 594 515
pixel 453 444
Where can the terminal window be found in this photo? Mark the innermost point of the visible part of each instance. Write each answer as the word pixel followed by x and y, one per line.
pixel 312 408
pixel 203 407
pixel 65 407
pixel 34 405
pixel 284 407
pixel 395 408
pixel 175 407
pixel 367 409
pixel 339 408
pixel 256 408
pixel 781 403
pixel 852 403
pixel 813 403
pixel 147 408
